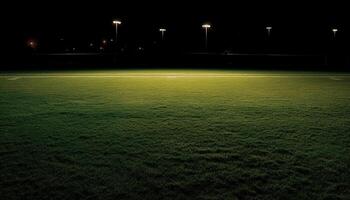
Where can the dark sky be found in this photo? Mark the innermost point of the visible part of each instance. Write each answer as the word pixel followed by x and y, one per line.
pixel 80 22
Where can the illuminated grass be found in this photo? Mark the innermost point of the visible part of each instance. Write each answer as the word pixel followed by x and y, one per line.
pixel 174 135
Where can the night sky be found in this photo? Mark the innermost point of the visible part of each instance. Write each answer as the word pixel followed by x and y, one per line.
pixel 236 25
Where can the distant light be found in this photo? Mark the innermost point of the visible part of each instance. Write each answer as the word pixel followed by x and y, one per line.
pixel 117 22
pixel 111 40
pixel 206 26
pixel 91 44
pixel 268 28
pixel 104 41
pixel 162 29
pixel 101 48
pixel 74 48
pixel 32 44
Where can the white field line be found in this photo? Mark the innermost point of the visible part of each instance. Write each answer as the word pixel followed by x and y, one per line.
pixel 15 77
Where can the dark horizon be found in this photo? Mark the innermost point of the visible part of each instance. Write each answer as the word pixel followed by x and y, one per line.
pixel 296 26
pixel 237 27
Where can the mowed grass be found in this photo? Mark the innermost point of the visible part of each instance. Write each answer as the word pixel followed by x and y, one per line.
pixel 174 135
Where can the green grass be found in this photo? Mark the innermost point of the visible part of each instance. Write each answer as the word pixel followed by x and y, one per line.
pixel 174 135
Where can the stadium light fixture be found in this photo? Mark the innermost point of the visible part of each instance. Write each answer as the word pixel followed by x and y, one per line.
pixel 268 28
pixel 206 27
pixel 162 31
pixel 116 22
pixel 334 30
pixel 32 44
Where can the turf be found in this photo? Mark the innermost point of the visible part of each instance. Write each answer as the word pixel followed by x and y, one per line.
pixel 174 135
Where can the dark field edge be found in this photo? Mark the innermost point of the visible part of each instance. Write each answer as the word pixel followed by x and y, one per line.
pixel 93 61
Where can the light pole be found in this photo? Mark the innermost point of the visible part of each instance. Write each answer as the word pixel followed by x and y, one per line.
pixel 162 32
pixel 268 28
pixel 116 22
pixel 334 30
pixel 206 27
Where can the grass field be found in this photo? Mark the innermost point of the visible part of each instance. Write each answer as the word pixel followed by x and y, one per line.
pixel 174 135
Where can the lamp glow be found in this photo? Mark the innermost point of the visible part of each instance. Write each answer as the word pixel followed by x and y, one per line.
pixel 334 30
pixel 32 44
pixel 117 22
pixel 268 28
pixel 206 26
